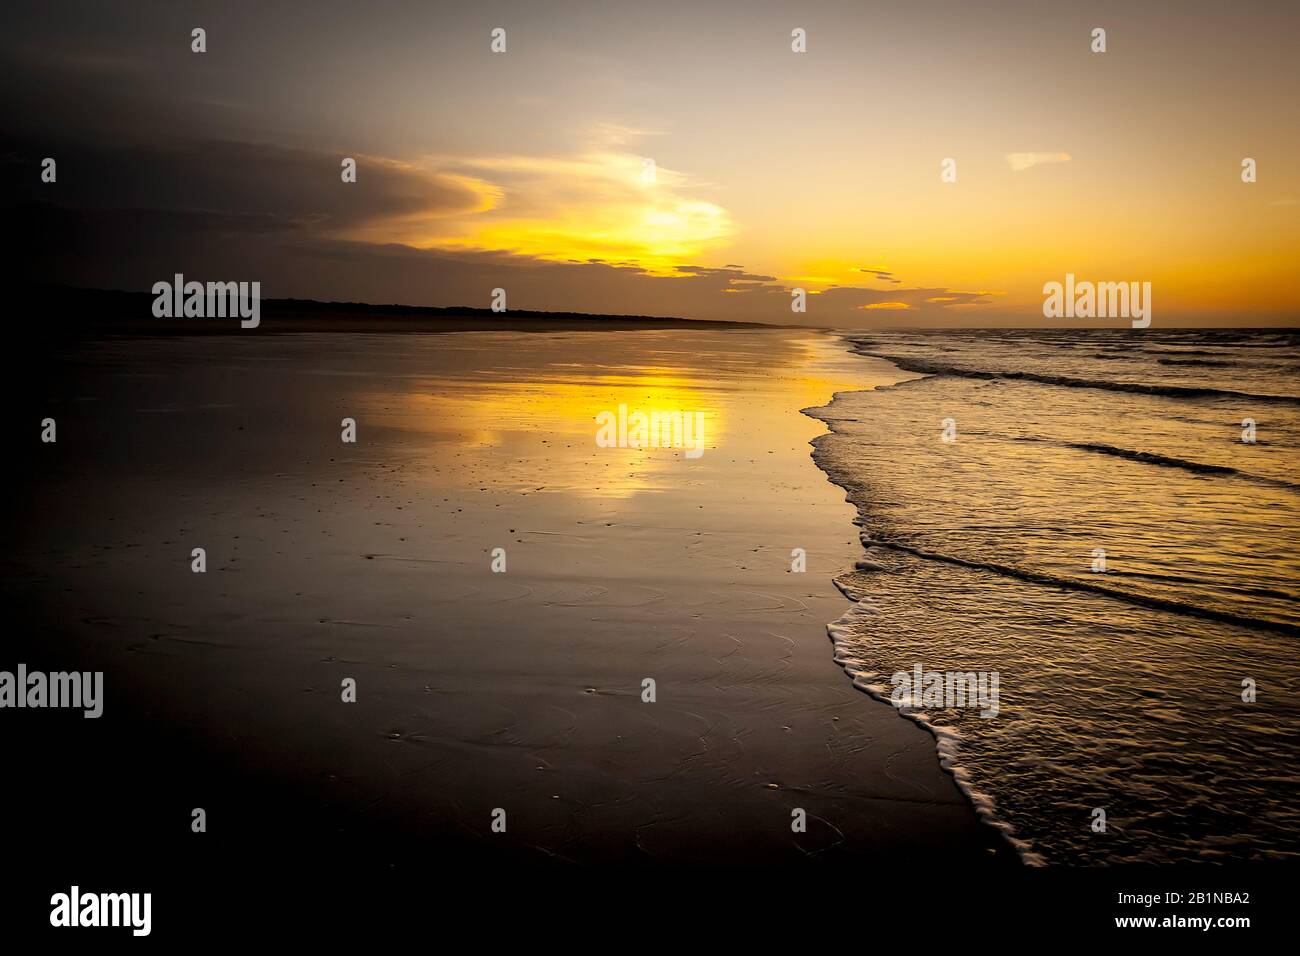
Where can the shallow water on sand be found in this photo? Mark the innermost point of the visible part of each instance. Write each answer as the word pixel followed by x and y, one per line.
pixel 1098 533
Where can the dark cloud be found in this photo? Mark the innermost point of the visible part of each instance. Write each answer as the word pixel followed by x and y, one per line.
pixel 245 181
pixel 132 249
pixel 847 298
pixel 732 272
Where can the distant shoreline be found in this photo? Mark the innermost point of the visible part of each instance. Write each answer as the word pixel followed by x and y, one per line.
pixel 72 312
pixel 117 312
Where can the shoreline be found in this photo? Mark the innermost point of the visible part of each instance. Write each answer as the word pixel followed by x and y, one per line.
pixel 947 742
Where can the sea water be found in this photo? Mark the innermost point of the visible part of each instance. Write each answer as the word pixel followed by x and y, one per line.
pixel 1109 521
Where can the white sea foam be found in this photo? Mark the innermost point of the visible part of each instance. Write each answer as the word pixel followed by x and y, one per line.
pixel 1122 682
pixel 846 633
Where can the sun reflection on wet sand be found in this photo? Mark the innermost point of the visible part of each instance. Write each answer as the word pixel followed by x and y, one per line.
pixel 554 418
pixel 538 420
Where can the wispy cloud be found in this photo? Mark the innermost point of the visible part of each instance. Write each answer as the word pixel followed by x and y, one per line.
pixel 884 275
pixel 604 202
pixel 1019 162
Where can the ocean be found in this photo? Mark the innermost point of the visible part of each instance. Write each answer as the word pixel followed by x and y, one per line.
pixel 1108 520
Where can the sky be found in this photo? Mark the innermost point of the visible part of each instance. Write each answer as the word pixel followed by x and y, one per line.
pixel 667 158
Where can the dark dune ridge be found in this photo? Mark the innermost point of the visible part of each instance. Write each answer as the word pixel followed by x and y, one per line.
pixel 77 311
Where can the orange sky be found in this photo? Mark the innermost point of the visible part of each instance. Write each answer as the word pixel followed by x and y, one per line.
pixel 671 157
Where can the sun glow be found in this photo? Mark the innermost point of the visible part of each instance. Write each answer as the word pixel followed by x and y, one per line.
pixel 608 205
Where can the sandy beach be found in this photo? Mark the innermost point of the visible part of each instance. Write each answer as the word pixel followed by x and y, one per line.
pixel 475 690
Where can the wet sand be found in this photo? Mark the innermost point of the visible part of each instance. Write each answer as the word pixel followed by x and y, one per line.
pixel 476 690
